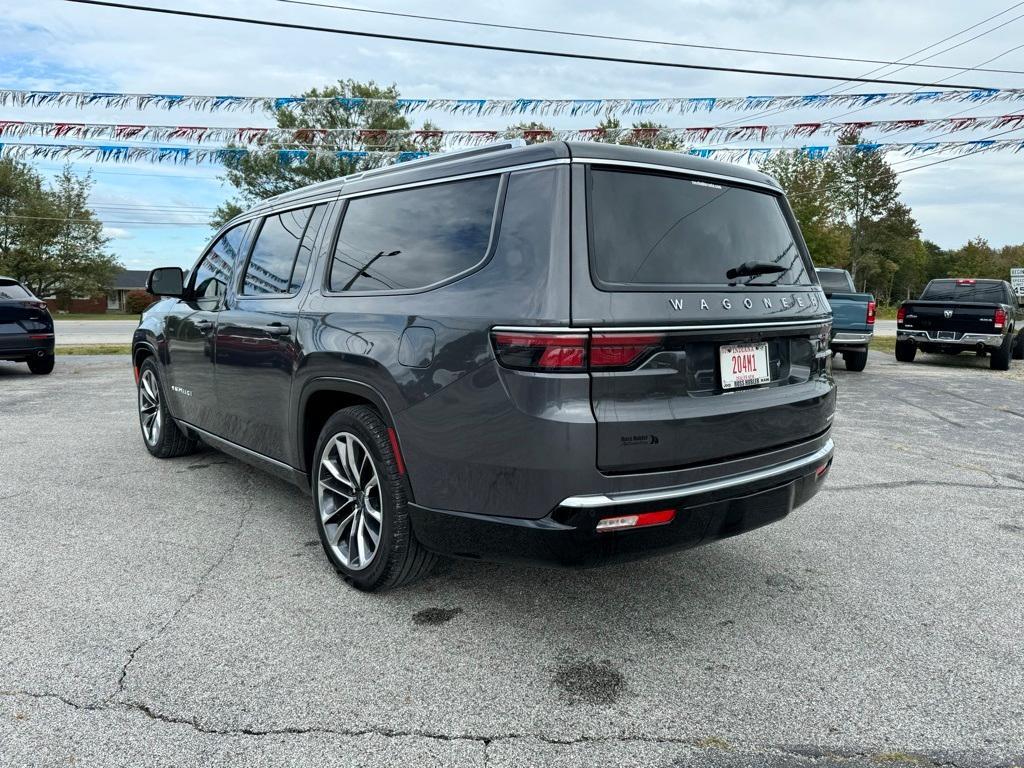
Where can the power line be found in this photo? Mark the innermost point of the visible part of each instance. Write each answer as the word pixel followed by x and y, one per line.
pixel 503 48
pixel 840 89
pixel 616 38
pixel 107 221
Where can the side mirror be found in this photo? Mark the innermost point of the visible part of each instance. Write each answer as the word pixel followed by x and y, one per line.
pixel 166 281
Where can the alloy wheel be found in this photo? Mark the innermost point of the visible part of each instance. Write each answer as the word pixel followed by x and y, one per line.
pixel 150 412
pixel 350 503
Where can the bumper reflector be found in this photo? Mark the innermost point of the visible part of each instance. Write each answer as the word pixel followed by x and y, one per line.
pixel 642 520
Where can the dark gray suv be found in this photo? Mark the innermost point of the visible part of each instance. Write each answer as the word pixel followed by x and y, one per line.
pixel 562 353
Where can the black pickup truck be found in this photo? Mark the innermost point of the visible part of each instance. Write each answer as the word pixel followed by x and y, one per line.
pixel 952 316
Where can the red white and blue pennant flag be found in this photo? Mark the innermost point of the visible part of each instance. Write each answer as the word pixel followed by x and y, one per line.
pixel 184 154
pixel 507 107
pixel 396 139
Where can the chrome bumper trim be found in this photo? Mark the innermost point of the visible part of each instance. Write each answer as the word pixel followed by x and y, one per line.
pixel 683 491
pixel 967 340
pixel 852 338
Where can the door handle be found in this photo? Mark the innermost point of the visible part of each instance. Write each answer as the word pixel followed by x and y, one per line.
pixel 277 329
pixel 203 325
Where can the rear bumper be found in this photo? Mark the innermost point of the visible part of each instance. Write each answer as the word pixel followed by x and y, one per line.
pixel 20 347
pixel 704 512
pixel 849 339
pixel 993 340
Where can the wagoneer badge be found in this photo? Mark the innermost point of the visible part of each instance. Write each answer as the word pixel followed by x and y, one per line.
pixel 768 302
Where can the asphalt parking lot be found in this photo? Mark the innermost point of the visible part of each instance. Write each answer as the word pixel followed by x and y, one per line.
pixel 182 612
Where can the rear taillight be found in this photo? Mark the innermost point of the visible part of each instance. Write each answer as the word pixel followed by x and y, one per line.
pixel 553 352
pixel 871 313
pixel 999 320
pixel 900 314
pixel 546 352
pixel 622 350
pixel 642 520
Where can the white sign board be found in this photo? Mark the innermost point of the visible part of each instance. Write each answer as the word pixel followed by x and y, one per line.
pixel 1017 280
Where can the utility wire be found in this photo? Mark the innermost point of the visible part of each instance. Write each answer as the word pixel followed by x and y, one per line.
pixel 616 38
pixel 503 48
pixel 838 88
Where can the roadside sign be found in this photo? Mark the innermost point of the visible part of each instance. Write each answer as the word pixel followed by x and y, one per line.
pixel 1017 280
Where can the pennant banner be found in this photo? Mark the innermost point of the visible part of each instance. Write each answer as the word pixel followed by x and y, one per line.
pixel 435 139
pixel 182 154
pixel 508 107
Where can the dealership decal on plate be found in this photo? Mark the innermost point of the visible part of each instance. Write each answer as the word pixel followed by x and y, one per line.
pixel 744 365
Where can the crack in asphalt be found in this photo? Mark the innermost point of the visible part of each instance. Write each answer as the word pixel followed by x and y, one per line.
pixel 806 754
pixel 247 500
pixel 929 411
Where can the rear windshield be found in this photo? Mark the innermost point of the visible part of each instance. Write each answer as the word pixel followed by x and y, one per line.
pixel 990 292
pixel 835 281
pixel 12 290
pixel 653 231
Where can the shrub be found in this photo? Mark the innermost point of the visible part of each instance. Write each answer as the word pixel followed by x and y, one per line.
pixel 136 302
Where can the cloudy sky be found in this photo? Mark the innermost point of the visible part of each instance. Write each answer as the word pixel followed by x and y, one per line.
pixel 157 214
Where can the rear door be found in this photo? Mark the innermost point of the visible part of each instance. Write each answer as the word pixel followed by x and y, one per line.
pixel 256 345
pixel 688 366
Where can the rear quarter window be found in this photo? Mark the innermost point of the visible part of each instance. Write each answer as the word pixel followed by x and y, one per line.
pixel 414 238
pixel 12 290
pixel 655 231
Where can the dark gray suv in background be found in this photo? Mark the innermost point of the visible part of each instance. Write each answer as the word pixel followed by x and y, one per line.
pixel 562 353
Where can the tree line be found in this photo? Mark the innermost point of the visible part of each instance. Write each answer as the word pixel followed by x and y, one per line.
pixel 50 240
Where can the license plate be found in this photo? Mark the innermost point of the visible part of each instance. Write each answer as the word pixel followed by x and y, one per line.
pixel 949 335
pixel 744 365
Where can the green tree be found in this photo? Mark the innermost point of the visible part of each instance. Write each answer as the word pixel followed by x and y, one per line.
pixel 532 132
pixel 645 133
pixel 811 185
pixel 867 191
pixel 50 239
pixel 263 174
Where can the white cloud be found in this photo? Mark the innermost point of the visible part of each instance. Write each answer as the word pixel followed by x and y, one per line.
pixel 117 233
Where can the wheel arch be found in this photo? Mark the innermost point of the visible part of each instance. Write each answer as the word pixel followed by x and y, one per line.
pixel 325 396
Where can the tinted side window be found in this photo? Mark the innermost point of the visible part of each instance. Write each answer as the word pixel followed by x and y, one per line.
pixel 414 238
pixel 12 290
pixel 306 249
pixel 273 255
pixel 210 282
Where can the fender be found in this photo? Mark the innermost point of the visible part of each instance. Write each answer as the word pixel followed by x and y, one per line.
pixel 344 386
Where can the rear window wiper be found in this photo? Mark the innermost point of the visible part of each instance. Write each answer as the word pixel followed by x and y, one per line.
pixel 755 268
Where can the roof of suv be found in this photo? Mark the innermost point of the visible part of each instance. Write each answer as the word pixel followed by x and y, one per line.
pixel 506 155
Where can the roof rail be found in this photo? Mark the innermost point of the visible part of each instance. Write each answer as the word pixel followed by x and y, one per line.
pixel 440 157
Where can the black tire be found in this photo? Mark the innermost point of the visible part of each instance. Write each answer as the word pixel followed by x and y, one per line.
pixel 41 365
pixel 168 440
pixel 1000 359
pixel 1018 348
pixel 398 558
pixel 855 360
pixel 905 351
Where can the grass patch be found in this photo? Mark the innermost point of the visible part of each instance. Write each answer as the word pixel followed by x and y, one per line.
pixel 887 312
pixel 883 344
pixel 96 316
pixel 95 349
